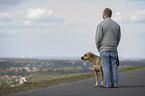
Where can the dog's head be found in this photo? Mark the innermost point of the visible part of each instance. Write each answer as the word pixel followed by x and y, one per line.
pixel 88 56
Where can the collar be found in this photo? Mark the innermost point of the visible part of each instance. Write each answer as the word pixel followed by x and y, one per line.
pixel 108 18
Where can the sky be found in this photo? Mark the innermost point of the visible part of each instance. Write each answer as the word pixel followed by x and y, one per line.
pixel 41 28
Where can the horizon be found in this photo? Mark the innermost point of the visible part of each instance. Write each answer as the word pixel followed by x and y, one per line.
pixel 67 58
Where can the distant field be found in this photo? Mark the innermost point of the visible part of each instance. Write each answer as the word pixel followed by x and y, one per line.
pixel 46 83
pixel 36 70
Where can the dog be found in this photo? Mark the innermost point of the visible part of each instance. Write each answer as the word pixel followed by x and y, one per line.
pixel 96 61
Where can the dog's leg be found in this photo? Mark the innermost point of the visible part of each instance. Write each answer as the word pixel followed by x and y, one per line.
pixel 96 75
pixel 102 77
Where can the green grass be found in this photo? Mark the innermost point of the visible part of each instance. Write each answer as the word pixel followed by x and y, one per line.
pixel 42 76
pixel 124 69
pixel 68 79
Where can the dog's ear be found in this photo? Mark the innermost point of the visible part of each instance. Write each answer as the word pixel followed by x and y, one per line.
pixel 91 55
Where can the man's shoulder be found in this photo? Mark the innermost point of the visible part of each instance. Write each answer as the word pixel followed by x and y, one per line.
pixel 115 22
pixel 111 22
pixel 101 23
pixel 107 22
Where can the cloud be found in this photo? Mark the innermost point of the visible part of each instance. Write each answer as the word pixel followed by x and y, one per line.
pixel 117 16
pixel 51 19
pixel 37 16
pixel 138 16
pixel 117 13
pixel 50 12
pixel 27 22
pixel 3 14
pixel 34 17
pixel 37 13
pixel 5 17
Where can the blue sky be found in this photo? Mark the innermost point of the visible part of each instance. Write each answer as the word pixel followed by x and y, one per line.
pixel 32 28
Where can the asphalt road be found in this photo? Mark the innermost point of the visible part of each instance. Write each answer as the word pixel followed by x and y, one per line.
pixel 131 83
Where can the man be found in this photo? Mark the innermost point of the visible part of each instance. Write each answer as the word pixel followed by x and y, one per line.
pixel 107 39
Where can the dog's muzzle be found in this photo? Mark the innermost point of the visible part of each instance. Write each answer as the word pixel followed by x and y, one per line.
pixel 82 58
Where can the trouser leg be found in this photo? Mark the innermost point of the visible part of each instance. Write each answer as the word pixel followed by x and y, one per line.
pixel 106 68
pixel 113 65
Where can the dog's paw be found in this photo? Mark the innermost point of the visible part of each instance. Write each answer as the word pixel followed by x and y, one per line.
pixel 96 85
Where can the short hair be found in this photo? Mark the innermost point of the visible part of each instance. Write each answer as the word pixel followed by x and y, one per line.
pixel 107 12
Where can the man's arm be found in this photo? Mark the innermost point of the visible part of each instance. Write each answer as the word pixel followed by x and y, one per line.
pixel 118 36
pixel 98 37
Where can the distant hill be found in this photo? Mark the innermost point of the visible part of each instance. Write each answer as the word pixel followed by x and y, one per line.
pixel 69 58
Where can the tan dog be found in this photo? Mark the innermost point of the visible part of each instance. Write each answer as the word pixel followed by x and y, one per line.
pixel 96 61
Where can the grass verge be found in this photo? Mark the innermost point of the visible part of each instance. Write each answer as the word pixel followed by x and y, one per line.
pixel 37 85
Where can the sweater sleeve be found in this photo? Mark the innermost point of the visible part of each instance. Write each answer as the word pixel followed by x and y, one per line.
pixel 98 37
pixel 118 36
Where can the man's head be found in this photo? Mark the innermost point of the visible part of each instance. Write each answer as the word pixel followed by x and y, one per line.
pixel 107 13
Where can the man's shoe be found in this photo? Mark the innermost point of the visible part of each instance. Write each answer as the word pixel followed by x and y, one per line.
pixel 101 86
pixel 114 86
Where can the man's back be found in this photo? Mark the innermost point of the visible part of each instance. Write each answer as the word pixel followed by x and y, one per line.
pixel 107 40
pixel 108 35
